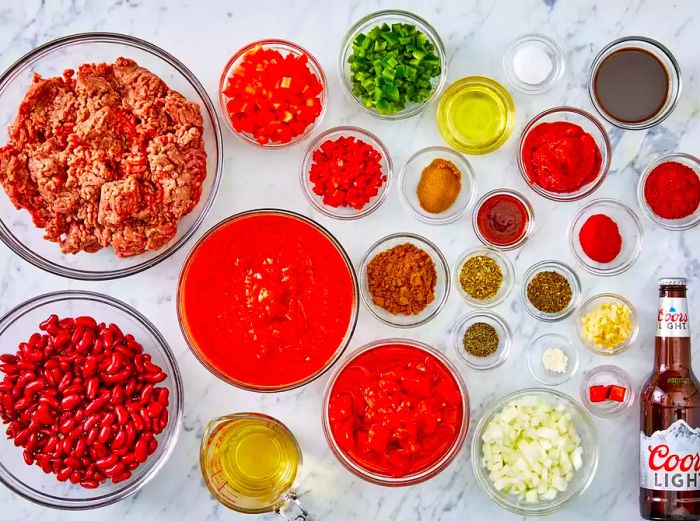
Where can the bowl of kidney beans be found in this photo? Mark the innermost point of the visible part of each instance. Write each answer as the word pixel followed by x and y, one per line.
pixel 90 400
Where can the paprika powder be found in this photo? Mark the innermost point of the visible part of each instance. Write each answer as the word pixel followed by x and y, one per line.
pixel 600 238
pixel 672 190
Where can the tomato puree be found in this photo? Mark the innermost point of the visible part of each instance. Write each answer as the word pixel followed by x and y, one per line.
pixel 561 157
pixel 395 410
pixel 267 299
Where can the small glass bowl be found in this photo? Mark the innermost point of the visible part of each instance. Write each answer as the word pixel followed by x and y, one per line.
pixel 658 51
pixel 593 303
pixel 506 269
pixel 529 227
pixel 534 359
pixel 285 48
pixel 630 230
pixel 410 176
pixel 486 87
pixel 391 16
pixel 590 125
pixel 561 269
pixel 670 224
pixel 347 212
pixel 504 339
pixel 442 286
pixel 607 375
pixel 553 51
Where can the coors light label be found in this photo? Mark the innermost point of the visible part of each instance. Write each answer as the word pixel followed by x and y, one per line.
pixel 673 317
pixel 670 459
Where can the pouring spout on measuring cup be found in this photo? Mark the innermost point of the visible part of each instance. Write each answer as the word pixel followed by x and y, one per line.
pixel 292 509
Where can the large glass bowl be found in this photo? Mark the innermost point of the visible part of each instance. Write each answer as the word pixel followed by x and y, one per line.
pixel 586 429
pixel 51 59
pixel 29 481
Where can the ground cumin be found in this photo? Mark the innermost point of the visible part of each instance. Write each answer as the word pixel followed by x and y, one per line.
pixel 439 186
pixel 402 279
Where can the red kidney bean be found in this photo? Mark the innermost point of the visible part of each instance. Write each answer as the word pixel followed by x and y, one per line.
pixel 154 378
pixel 94 406
pixel 92 386
pixel 75 388
pixel 121 414
pixel 117 394
pixel 91 437
pixel 34 339
pixel 107 461
pixel 108 418
pixel 66 426
pixel 85 322
pixel 34 387
pixel 130 387
pixel 28 456
pixel 119 440
pixel 89 367
pixel 64 474
pixel 72 462
pixel 75 477
pixel 87 341
pixel 9 368
pixel 89 483
pixel 146 394
pixel 100 450
pixel 22 404
pixel 80 448
pixel 155 409
pixel 141 449
pixel 152 446
pixel 105 434
pixel 122 477
pixel 7 358
pixel 91 422
pixel 62 339
pixel 66 446
pixel 71 402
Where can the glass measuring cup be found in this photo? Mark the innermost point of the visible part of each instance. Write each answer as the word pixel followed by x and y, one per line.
pixel 250 463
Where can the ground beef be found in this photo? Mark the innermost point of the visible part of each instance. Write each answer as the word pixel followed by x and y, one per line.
pixel 107 156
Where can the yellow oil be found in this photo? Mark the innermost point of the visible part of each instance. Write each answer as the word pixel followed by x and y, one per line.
pixel 249 462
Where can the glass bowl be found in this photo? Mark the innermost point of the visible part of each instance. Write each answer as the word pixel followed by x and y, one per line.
pixel 561 269
pixel 534 359
pixel 593 303
pixel 50 59
pixel 285 48
pixel 553 51
pixel 391 16
pixel 449 109
pixel 529 227
pixel 506 270
pixel 29 481
pixel 630 230
pixel 345 213
pixel 586 429
pixel 607 375
pixel 410 176
pixel 442 285
pixel 670 224
pixel 482 363
pixel 191 341
pixel 410 479
pixel 590 125
pixel 656 49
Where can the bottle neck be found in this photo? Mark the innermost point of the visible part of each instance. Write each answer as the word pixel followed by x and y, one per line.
pixel 672 351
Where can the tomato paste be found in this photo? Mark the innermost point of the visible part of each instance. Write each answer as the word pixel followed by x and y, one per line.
pixel 395 410
pixel 561 157
pixel 267 299
pixel 502 219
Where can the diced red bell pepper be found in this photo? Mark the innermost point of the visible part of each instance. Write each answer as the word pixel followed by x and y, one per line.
pixel 617 393
pixel 598 393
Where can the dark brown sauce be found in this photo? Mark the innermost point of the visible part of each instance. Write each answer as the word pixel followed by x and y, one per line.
pixel 631 85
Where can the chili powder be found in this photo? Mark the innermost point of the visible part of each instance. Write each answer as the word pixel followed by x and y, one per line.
pixel 600 238
pixel 672 190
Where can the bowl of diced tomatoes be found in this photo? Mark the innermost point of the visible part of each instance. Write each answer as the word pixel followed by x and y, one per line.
pixel 272 93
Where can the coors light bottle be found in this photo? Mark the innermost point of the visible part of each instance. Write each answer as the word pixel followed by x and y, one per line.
pixel 669 456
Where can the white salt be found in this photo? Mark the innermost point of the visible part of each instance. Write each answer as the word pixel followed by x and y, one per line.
pixel 532 64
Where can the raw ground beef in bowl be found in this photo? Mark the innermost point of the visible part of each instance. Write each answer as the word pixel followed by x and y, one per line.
pixel 113 156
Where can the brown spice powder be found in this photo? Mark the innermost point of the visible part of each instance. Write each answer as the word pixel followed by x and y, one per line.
pixel 439 186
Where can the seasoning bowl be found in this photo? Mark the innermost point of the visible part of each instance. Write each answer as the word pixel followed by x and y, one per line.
pixel 507 271
pixel 529 227
pixel 285 48
pixel 345 213
pixel 607 375
pixel 537 349
pixel 563 270
pixel 670 224
pixel 669 63
pixel 553 51
pixel 593 303
pixel 504 339
pixel 30 482
pixel 410 176
pixel 590 125
pixel 391 16
pixel 630 230
pixel 442 286
pixel 586 429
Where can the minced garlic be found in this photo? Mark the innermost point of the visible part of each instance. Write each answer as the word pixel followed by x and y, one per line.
pixel 608 325
pixel 555 360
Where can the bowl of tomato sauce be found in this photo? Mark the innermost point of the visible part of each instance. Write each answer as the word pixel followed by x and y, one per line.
pixel 267 300
pixel 396 412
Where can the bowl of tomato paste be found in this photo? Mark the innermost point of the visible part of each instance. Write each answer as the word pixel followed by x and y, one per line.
pixel 564 154
pixel 267 300
pixel 396 412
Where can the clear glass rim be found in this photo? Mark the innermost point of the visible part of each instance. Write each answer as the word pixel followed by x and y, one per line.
pixel 430 32
pixel 559 64
pixel 508 276
pixel 410 479
pixel 129 487
pixel 571 238
pixel 17 246
pixel 635 324
pixel 573 364
pixel 503 352
pixel 630 395
pixel 288 46
pixel 191 343
pixel 570 275
pixel 529 227
pixel 307 160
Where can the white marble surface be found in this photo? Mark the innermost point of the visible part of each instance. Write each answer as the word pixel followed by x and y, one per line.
pixel 203 35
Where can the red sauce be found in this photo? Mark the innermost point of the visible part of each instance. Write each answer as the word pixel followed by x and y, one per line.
pixel 502 219
pixel 267 299
pixel 395 410
pixel 561 157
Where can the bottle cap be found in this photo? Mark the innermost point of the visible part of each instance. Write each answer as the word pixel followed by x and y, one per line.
pixel 673 281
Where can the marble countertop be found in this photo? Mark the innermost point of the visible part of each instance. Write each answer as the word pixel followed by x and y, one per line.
pixel 203 35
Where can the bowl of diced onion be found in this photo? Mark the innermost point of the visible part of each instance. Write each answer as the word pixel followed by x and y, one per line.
pixel 535 451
